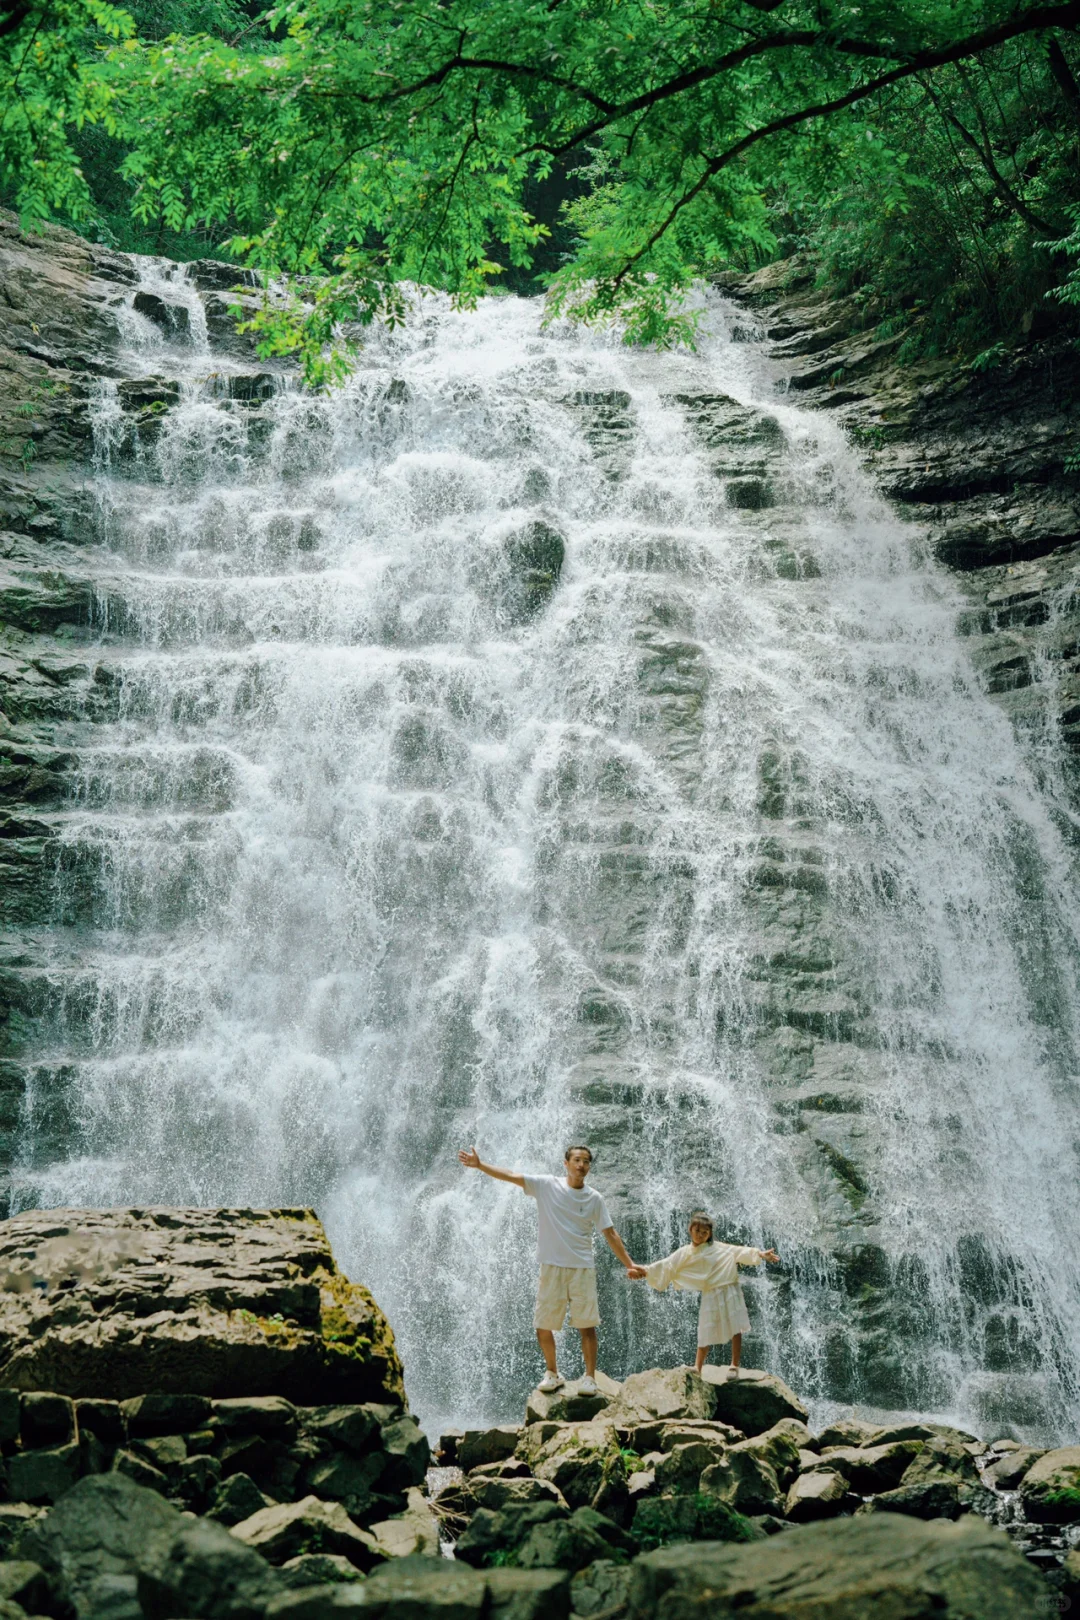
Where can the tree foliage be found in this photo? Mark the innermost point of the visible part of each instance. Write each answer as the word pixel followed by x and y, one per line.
pixel 369 143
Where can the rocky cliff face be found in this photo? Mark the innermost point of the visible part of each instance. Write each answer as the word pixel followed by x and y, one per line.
pixel 985 462
pixel 669 815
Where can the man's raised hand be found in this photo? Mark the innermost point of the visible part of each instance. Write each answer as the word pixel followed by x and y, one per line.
pixel 770 1254
pixel 469 1158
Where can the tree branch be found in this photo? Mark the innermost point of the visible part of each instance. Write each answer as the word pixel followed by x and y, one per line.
pixel 1065 15
pixel 1064 77
pixel 984 153
pixel 1038 18
pixel 14 19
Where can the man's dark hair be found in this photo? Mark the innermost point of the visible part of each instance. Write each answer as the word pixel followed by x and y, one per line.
pixel 577 1147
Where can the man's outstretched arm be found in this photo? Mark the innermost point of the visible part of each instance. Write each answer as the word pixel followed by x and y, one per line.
pixel 615 1242
pixel 472 1161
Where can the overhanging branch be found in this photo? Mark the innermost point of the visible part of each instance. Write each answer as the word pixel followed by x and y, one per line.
pixel 1060 16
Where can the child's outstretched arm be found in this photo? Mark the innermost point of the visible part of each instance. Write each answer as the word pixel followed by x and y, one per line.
pixel 659 1274
pixel 472 1161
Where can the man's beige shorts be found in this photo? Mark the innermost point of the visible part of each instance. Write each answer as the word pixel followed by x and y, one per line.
pixel 561 1286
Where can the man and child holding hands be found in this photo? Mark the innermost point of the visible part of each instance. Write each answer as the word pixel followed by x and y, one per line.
pixel 568 1213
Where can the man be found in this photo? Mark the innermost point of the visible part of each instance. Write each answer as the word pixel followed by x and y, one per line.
pixel 567 1214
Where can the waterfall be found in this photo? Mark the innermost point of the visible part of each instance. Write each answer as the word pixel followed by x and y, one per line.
pixel 537 741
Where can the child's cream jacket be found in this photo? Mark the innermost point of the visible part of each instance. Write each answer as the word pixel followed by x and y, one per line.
pixel 709 1266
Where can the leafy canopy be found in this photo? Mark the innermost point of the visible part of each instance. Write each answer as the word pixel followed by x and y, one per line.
pixel 369 143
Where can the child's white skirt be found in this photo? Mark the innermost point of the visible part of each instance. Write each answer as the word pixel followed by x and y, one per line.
pixel 723 1313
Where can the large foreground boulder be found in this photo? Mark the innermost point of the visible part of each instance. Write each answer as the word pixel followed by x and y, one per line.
pixel 108 1529
pixel 421 1588
pixel 874 1568
pixel 224 1302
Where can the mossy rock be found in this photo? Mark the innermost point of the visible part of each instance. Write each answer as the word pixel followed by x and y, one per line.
pixel 1050 1490
pixel 660 1520
pixel 224 1302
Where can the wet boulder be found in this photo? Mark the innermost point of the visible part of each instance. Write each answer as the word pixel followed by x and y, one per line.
pixel 109 1528
pixel 1050 1490
pixel 479 1446
pixel 43 1475
pixel 164 1413
pixel 667 1518
pixel 663 1434
pixel 527 1594
pixel 1070 1571
pixel 848 1432
pixel 668 1392
pixel 490 1491
pixel 10 1415
pixel 204 1571
pixel 172 319
pixel 414 1531
pixel 26 1584
pixel 681 1468
pixel 745 1482
pixel 875 1468
pixel 532 563
pixel 215 275
pixel 583 1460
pixel 350 1428
pixel 446 1450
pixel 323 1603
pixel 1006 1473
pixel 14 1518
pixel 434 1588
pixel 944 1463
pixel 287 1529
pixel 600 1588
pixel 492 1535
pixel 405 1454
pixel 820 1493
pixel 573 1542
pixel 865 1566
pixel 943 1432
pixel 236 1499
pixel 267 1415
pixel 103 1419
pixel 46 1420
pixel 780 1447
pixel 752 1401
pixel 924 1499
pixel 318 1569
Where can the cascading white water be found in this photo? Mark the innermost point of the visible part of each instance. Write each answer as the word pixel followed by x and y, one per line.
pixel 369 862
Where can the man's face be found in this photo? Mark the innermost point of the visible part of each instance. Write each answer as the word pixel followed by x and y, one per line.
pixel 578 1165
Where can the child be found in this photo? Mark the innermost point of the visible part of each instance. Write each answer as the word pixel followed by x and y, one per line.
pixel 712 1268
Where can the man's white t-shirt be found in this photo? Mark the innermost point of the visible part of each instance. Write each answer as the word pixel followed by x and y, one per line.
pixel 567 1218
